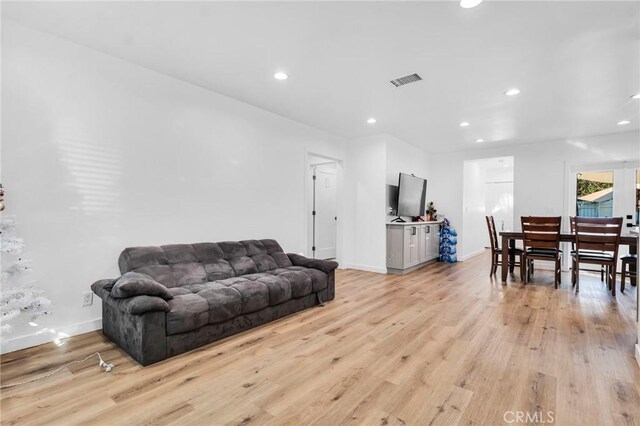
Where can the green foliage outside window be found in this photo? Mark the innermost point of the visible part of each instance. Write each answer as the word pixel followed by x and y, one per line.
pixel 586 187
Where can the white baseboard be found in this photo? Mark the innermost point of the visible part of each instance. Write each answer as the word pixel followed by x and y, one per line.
pixel 366 268
pixel 638 354
pixel 473 254
pixel 46 335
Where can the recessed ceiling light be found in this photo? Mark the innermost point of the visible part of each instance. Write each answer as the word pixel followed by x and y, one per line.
pixel 464 124
pixel 371 120
pixel 512 92
pixel 479 140
pixel 468 4
pixel 636 96
pixel 623 122
pixel 280 76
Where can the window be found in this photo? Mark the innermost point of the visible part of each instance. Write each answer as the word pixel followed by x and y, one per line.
pixel 594 195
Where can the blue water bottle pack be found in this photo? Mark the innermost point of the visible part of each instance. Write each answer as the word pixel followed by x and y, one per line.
pixel 448 243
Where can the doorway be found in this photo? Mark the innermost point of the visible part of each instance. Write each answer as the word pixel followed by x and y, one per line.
pixel 487 191
pixel 604 190
pixel 323 208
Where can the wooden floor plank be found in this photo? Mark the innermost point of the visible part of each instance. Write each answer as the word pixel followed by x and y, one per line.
pixel 443 345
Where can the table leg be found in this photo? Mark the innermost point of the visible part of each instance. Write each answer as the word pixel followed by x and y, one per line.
pixel 512 255
pixel 505 258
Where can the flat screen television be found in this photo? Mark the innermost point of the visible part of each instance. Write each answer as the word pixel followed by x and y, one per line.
pixel 412 195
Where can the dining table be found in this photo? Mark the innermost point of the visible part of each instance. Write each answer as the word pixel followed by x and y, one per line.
pixel 509 239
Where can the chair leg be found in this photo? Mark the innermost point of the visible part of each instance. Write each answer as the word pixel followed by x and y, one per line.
pixel 623 276
pixel 613 279
pixel 522 268
pixel 577 269
pixel 602 273
pixel 493 262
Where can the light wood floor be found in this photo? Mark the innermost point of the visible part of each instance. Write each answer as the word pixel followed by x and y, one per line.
pixel 444 345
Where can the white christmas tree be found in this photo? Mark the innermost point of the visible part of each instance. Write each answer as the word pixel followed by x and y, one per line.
pixel 17 297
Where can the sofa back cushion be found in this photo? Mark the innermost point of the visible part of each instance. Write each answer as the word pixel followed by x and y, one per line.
pixel 183 264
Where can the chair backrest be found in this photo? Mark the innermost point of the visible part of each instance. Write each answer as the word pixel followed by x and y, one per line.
pixel 572 224
pixel 493 235
pixel 598 233
pixel 541 232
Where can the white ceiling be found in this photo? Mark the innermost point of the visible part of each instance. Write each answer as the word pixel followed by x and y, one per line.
pixel 576 63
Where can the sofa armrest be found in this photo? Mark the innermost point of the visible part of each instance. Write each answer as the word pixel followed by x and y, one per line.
pixel 325 266
pixel 136 305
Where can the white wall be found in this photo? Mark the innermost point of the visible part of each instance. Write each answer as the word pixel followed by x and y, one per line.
pixel 473 212
pixel 538 172
pixel 99 154
pixel 374 162
pixel 405 158
pixel 365 230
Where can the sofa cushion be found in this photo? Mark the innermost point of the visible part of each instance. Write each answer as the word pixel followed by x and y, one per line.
pixel 218 270
pixel 188 273
pixel 253 247
pixel 136 284
pixel 137 257
pixel 224 302
pixel 208 252
pixel 301 283
pixel 187 312
pixel 180 253
pixel 264 262
pixel 254 277
pixel 255 295
pixel 279 289
pixel 161 273
pixel 177 291
pixel 318 279
pixel 277 254
pixel 231 281
pixel 243 265
pixel 231 249
pixel 195 288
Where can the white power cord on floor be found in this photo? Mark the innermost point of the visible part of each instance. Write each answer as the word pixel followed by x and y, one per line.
pixel 107 366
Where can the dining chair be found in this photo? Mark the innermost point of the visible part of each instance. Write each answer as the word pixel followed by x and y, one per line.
pixel 541 238
pixel 597 243
pixel 496 251
pixel 572 222
pixel 627 261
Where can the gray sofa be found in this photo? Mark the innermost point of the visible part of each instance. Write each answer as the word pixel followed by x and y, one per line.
pixel 175 298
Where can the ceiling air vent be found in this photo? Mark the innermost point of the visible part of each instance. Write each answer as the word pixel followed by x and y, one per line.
pixel 406 80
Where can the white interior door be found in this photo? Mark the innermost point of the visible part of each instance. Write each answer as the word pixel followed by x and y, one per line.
pixel 325 206
pixel 499 204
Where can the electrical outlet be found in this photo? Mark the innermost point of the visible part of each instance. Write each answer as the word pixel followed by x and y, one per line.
pixel 87 298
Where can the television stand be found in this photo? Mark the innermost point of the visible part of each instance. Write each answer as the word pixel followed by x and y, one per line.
pixel 398 220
